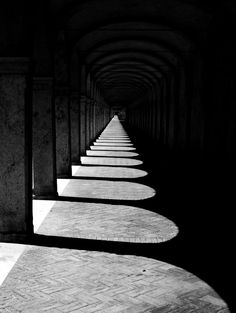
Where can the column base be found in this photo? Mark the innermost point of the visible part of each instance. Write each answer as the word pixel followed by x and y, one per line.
pixel 64 176
pixel 50 196
pixel 76 162
pixel 16 238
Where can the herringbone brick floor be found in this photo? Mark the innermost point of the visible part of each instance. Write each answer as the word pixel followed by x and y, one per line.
pixel 56 280
pixel 112 148
pixel 62 280
pixel 110 161
pixel 106 189
pixel 107 222
pixel 109 172
pixel 119 154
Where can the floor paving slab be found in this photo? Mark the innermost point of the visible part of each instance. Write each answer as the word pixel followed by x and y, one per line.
pixel 56 280
pixel 105 189
pixel 112 148
pixel 121 154
pixel 102 221
pixel 109 172
pixel 110 161
pixel 86 281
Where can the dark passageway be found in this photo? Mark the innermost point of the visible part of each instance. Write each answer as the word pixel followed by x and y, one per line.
pixel 119 116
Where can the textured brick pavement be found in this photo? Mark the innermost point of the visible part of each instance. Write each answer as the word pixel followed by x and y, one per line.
pixel 109 172
pixel 56 280
pixel 118 154
pixel 105 189
pixel 107 222
pixel 62 280
pixel 114 140
pixel 110 161
pixel 113 144
pixel 113 148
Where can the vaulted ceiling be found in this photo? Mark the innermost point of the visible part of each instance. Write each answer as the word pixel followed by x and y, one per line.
pixel 129 45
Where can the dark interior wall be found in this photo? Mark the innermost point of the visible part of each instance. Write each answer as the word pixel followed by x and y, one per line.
pixel 199 107
pixel 195 172
pixel 220 82
pixel 15 33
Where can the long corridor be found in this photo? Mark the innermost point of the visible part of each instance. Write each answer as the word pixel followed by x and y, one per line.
pixel 91 251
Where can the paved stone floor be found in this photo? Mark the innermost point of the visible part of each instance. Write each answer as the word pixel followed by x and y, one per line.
pixel 119 154
pixel 121 141
pixel 62 280
pixel 107 222
pixel 111 148
pixel 110 161
pixel 69 279
pixel 120 144
pixel 106 189
pixel 109 172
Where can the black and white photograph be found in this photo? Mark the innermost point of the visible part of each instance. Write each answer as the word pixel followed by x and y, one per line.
pixel 117 156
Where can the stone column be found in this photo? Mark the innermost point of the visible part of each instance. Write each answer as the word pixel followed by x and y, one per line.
pixel 108 114
pixel 63 141
pixel 100 118
pixel 181 118
pixel 82 124
pixel 151 113
pixel 15 153
pixel 75 128
pixel 160 114
pixel 92 120
pixel 197 109
pixel 104 116
pixel 165 110
pixel 88 123
pixel 44 148
pixel 172 108
pixel 95 120
pixel 154 117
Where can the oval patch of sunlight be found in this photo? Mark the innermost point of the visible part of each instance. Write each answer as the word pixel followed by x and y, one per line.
pixel 108 172
pixel 112 144
pixel 114 140
pixel 114 137
pixel 110 161
pixel 112 148
pixel 106 148
pixel 126 283
pixel 107 222
pixel 121 154
pixel 105 189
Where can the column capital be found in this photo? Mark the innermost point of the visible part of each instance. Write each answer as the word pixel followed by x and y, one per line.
pixel 14 65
